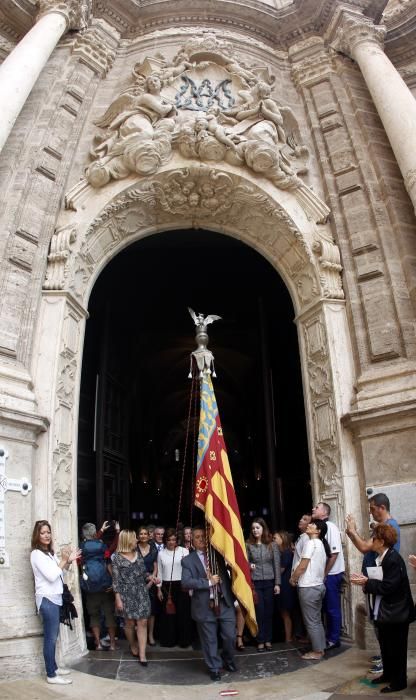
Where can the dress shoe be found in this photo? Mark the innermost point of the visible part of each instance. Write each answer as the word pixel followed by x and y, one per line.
pixel 229 666
pixel 215 675
pixel 389 689
pixel 58 680
pixel 63 671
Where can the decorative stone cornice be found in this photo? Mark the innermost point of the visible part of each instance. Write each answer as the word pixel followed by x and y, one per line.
pixel 313 69
pixel 76 12
pixel 97 47
pixel 354 30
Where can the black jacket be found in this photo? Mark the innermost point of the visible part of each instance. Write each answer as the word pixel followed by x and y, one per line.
pixel 395 584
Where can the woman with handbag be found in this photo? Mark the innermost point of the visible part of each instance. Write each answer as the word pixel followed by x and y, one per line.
pixel 47 571
pixel 175 621
pixel 391 605
pixel 264 559
pixel 130 580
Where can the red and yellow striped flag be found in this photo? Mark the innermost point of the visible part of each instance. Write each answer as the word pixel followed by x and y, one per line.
pixel 214 494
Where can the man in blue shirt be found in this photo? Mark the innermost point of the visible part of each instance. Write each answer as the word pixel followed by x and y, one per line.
pixel 379 506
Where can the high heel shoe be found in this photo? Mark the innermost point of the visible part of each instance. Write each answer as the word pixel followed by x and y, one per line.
pixel 142 663
pixel 239 645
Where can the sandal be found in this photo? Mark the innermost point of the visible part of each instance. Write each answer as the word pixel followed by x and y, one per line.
pixel 239 645
pixel 268 646
pixel 260 647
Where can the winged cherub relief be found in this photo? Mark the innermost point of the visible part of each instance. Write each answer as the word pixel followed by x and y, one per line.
pixel 139 124
pixel 142 125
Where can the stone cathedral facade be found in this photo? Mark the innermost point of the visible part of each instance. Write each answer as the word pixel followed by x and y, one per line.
pixel 288 124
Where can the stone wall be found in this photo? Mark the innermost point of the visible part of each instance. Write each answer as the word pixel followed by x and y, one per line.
pixel 360 409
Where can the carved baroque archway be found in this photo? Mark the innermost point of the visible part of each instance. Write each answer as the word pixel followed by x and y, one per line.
pixel 230 167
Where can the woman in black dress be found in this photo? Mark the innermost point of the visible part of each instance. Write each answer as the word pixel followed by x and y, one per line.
pixel 287 598
pixel 149 553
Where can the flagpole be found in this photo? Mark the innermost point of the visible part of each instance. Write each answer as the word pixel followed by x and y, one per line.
pixel 214 487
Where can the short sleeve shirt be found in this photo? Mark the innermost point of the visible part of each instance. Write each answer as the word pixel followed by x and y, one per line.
pixel 314 575
pixel 333 537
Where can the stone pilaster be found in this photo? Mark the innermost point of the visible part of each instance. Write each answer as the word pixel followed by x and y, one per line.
pixel 360 39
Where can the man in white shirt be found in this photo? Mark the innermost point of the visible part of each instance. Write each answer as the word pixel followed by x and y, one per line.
pixel 334 575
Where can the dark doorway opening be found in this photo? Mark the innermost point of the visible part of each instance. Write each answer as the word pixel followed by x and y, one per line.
pixel 135 391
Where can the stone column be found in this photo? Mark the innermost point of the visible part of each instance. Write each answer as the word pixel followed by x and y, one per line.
pixel 395 104
pixel 22 67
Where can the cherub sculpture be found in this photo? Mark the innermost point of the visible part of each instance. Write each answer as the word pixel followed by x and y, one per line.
pixel 137 117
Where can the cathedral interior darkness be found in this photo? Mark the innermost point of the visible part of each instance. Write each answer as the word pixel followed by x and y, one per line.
pixel 135 391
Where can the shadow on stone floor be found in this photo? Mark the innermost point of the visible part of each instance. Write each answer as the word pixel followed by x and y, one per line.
pixel 186 667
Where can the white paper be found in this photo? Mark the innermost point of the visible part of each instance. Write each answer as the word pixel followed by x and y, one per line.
pixel 375 572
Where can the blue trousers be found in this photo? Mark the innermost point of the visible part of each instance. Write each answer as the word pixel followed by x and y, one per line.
pixel 50 616
pixel 264 609
pixel 332 607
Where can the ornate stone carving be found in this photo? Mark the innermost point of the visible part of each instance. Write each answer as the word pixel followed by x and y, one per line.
pixel 355 30
pixel 198 196
pixel 313 69
pixel 62 465
pixel 331 268
pixel 95 51
pixel 410 181
pixel 138 138
pixel 60 249
pixel 210 107
pixel 325 435
pixel 76 12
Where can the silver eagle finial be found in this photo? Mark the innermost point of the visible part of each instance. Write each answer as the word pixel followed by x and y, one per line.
pixel 202 356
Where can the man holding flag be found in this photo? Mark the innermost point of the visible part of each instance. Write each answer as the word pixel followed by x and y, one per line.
pixel 205 572
pixel 212 605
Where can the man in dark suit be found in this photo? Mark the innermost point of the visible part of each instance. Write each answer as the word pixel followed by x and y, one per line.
pixel 197 577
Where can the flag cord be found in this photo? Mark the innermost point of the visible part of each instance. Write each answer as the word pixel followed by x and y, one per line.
pixel 185 452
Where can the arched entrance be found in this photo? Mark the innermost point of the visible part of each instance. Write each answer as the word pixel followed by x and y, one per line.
pixel 134 390
pixel 97 226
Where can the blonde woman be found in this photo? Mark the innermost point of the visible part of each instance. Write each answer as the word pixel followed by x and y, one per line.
pixel 130 580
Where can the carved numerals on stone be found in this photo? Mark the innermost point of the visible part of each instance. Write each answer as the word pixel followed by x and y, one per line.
pixel 325 434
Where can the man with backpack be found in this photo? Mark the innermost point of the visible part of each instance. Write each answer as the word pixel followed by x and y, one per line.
pixel 96 582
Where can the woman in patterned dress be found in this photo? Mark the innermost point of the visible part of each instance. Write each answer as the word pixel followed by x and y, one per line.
pixel 130 580
pixel 149 553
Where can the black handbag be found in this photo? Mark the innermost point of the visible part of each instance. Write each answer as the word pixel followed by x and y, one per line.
pixel 68 611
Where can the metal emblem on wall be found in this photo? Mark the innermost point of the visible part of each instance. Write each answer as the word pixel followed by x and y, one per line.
pixel 203 96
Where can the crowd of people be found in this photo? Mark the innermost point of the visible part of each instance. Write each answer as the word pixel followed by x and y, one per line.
pixel 157 584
